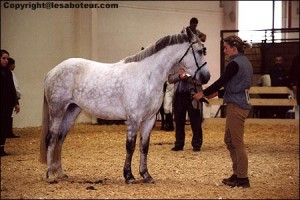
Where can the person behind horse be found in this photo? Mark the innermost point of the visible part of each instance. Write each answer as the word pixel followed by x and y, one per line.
pixel 193 28
pixel 168 106
pixel 8 100
pixel 12 66
pixel 236 80
pixel 279 78
pixel 183 84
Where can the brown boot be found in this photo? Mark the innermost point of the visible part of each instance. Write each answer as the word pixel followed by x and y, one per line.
pixel 239 182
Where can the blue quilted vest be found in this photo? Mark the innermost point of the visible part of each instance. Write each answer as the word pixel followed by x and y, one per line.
pixel 236 89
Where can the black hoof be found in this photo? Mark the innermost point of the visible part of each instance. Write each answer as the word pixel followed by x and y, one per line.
pixel 52 181
pixel 148 180
pixel 130 181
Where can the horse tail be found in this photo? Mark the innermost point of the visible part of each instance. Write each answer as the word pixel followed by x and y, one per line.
pixel 45 132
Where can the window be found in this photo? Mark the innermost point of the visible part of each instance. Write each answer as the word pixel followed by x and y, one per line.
pixel 257 15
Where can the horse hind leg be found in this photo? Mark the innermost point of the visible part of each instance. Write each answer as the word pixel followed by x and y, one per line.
pixel 55 142
pixel 50 149
pixel 68 121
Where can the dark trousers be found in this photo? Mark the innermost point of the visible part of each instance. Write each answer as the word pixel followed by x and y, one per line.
pixel 182 104
pixel 5 124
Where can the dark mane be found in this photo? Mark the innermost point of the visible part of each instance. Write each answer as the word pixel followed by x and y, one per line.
pixel 159 45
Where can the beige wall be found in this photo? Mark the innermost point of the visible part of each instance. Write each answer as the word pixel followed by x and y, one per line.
pixel 37 40
pixel 40 39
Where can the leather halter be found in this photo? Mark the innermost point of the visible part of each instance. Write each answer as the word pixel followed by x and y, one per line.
pixel 191 47
pixel 194 90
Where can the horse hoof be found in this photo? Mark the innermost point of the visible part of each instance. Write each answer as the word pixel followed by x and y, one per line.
pixel 148 180
pixel 52 180
pixel 64 176
pixel 130 181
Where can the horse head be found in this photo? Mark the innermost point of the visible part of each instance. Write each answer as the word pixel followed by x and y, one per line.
pixel 193 60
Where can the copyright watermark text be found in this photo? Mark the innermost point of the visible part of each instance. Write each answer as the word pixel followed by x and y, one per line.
pixel 55 5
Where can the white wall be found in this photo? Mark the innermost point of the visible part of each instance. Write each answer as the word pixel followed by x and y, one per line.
pixel 40 39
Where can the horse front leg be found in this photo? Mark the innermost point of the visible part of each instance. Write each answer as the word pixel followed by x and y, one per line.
pixel 146 129
pixel 132 129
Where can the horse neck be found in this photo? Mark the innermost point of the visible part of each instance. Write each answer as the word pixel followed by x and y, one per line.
pixel 166 59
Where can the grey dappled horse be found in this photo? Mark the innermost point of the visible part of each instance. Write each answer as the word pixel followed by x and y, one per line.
pixel 131 90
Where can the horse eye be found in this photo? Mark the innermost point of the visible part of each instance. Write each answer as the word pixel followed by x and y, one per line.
pixel 202 51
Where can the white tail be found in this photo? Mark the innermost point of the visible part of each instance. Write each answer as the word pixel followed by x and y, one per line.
pixel 44 133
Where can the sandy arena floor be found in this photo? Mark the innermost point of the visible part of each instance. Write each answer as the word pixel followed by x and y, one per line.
pixel 93 157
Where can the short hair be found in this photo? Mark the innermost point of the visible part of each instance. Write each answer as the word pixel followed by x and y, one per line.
pixel 11 61
pixel 194 20
pixel 3 52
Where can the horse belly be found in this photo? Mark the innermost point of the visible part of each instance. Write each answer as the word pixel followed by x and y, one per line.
pixel 104 108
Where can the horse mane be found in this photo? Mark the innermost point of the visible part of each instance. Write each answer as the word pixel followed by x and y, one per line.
pixel 157 46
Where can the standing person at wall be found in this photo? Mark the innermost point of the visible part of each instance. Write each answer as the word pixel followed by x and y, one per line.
pixel 236 80
pixel 12 66
pixel 8 99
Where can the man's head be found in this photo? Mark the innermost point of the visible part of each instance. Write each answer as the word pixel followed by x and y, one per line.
pixel 193 23
pixel 278 60
pixel 11 64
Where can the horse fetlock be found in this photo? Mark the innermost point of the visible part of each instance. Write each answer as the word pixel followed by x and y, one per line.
pixel 129 178
pixel 146 177
pixel 49 173
pixel 61 173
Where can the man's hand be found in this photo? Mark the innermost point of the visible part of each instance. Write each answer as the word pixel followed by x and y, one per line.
pixel 198 96
pixel 17 108
pixel 182 74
